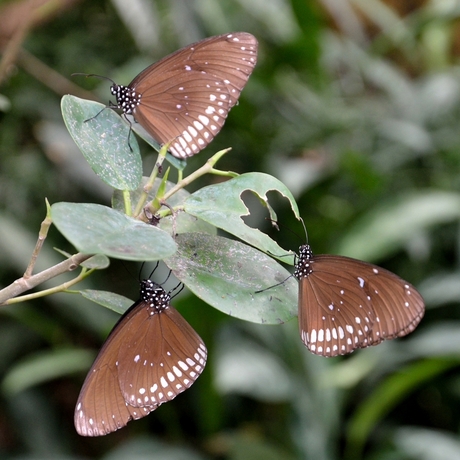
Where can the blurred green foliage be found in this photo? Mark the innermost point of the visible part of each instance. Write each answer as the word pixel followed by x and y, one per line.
pixel 355 107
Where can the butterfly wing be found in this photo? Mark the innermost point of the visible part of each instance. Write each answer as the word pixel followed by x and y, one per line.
pixel 186 96
pixel 101 407
pixel 151 355
pixel 160 360
pixel 398 306
pixel 345 304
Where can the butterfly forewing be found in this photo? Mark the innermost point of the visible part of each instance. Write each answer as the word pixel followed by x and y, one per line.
pixel 345 304
pixel 152 346
pixel 230 58
pixel 185 97
pixel 192 124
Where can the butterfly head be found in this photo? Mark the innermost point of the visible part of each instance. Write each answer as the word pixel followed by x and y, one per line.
pixel 155 296
pixel 127 98
pixel 303 266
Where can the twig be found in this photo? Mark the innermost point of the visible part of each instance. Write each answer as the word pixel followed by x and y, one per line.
pixel 207 168
pixel 50 78
pixel 22 284
pixel 149 185
pixel 41 239
pixel 11 51
pixel 62 287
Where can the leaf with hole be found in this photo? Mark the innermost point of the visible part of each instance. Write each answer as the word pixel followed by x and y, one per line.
pixel 222 206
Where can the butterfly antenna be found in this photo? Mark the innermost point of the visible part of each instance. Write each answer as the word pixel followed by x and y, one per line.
pixel 275 285
pixel 78 74
pixel 129 271
pixel 285 255
pixel 276 224
pixel 305 229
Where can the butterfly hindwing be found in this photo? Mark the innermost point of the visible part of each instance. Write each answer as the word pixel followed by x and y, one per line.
pixel 152 377
pixel 151 355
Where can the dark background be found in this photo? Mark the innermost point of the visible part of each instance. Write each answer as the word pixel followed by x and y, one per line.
pixel 355 107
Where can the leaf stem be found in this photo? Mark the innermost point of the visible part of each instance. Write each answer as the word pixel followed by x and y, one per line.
pixel 127 201
pixel 207 168
pixel 149 185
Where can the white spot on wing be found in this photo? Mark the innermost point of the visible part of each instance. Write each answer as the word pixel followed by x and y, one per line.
pixel 203 119
pixel 183 365
pixel 187 136
pixel 177 371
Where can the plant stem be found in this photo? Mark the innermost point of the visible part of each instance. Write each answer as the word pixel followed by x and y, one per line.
pixel 148 186
pixel 24 284
pixel 42 234
pixel 62 287
pixel 207 168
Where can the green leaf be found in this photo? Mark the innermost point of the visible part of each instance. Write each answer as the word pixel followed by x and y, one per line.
pixel 96 229
pixel 115 302
pixel 388 227
pixel 226 274
pixel 147 447
pixel 45 366
pixel 439 339
pixel 243 366
pixel 427 444
pixel 102 137
pixel 245 446
pixel 386 396
pixel 98 262
pixel 221 205
pixel 184 223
